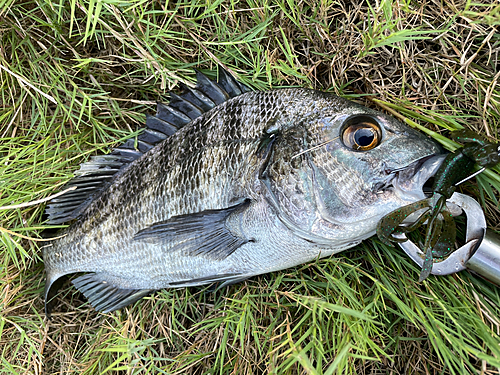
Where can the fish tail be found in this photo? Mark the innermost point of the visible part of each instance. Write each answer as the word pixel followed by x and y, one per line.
pixel 52 284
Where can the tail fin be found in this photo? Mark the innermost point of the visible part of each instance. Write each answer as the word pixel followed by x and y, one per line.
pixel 52 285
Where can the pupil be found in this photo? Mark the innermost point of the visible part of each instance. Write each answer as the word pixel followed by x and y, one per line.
pixel 364 137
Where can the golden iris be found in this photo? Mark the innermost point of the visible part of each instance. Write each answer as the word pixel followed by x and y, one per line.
pixel 362 136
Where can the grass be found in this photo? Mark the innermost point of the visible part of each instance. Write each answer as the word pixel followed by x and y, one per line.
pixel 77 77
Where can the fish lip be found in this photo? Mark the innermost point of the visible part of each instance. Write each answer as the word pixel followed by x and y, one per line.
pixel 409 182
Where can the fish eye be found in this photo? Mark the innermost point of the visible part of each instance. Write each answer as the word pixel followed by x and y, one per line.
pixel 361 133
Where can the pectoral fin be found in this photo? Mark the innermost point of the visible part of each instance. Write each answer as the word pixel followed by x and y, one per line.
pixel 207 233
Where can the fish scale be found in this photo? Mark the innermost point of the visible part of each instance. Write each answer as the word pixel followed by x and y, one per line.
pixel 231 194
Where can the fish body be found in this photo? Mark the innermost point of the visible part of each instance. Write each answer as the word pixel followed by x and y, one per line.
pixel 252 183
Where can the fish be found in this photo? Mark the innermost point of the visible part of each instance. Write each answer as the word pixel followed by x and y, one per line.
pixel 225 183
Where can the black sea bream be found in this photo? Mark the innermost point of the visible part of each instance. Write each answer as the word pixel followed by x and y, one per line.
pixel 225 184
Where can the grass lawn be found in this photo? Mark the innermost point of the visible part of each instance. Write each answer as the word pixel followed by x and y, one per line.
pixel 77 77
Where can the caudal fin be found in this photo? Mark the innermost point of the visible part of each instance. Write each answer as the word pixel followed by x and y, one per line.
pixel 52 285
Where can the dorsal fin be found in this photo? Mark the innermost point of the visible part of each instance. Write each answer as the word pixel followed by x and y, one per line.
pixel 96 174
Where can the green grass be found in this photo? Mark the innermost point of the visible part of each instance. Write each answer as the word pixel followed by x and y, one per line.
pixel 77 77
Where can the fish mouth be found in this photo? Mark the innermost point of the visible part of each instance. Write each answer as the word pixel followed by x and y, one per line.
pixel 414 182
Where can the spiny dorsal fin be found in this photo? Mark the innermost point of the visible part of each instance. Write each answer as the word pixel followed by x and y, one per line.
pixel 210 88
pixel 96 175
pixel 228 83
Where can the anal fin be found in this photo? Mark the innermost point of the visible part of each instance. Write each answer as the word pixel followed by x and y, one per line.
pixel 106 297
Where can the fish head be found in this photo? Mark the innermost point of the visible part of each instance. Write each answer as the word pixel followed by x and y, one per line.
pixel 344 167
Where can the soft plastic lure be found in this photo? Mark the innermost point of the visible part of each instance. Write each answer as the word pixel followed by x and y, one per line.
pixel 456 168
